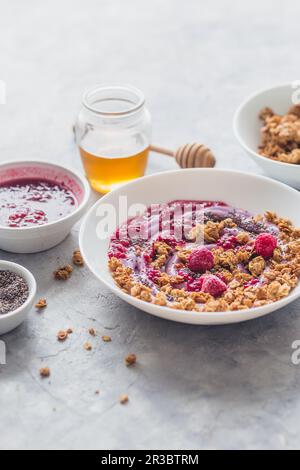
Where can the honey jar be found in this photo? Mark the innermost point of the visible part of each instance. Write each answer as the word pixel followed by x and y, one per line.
pixel 113 134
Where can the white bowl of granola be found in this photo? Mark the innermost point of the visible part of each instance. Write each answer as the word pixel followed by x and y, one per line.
pixel 267 125
pixel 245 266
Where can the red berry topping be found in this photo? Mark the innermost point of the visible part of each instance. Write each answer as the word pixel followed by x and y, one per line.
pixel 220 276
pixel 251 283
pixel 228 243
pixel 214 286
pixel 116 254
pixel 265 245
pixel 201 260
pixel 117 250
pixel 195 285
pixel 171 241
pixel 186 274
pixel 153 274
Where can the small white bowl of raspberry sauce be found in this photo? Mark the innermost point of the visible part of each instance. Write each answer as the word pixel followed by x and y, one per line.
pixel 39 204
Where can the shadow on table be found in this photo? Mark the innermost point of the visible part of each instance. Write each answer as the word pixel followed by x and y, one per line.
pixel 233 361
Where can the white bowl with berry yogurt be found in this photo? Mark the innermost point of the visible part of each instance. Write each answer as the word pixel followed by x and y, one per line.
pixel 40 202
pixel 189 246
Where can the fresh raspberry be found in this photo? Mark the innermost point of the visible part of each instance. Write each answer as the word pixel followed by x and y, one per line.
pixel 265 245
pixel 214 286
pixel 201 260
pixel 195 285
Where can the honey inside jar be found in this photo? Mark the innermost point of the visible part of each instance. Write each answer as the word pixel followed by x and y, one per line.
pixel 113 133
pixel 106 173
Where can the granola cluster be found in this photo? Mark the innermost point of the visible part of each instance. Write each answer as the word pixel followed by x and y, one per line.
pixel 63 273
pixel 281 135
pixel 256 261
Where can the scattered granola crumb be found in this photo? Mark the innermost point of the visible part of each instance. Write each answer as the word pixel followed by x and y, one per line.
pixel 92 331
pixel 87 346
pixel 62 335
pixel 63 273
pixel 70 331
pixel 106 339
pixel 42 303
pixel 130 360
pixel 77 258
pixel 97 392
pixel 124 399
pixel 45 372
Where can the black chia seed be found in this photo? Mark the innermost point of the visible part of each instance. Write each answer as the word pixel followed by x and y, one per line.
pixel 14 291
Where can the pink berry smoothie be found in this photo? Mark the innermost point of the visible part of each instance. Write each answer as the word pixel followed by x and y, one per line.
pixel 32 202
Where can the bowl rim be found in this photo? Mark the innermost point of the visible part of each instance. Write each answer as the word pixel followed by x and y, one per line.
pixel 83 182
pixel 134 301
pixel 29 278
pixel 236 118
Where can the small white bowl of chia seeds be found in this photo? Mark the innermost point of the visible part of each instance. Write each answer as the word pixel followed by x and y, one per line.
pixel 17 292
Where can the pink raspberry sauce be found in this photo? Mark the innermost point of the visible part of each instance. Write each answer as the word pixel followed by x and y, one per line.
pixel 30 202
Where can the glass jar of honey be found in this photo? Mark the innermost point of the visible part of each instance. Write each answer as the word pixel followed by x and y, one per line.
pixel 113 133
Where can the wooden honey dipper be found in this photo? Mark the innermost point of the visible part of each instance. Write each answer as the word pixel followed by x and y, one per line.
pixel 189 155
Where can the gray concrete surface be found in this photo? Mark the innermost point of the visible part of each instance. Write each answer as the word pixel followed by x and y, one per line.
pixel 226 387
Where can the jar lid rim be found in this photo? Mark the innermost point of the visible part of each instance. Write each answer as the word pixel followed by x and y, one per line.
pixel 132 106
